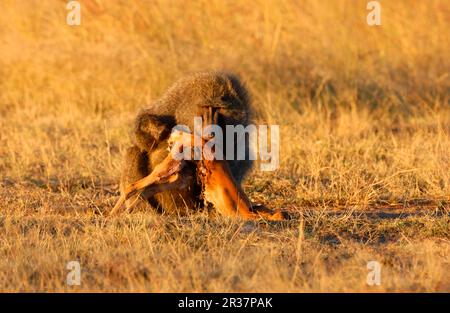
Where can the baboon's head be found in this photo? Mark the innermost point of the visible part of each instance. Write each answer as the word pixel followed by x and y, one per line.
pixel 220 93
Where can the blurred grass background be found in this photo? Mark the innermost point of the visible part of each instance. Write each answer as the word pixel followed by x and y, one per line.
pixel 365 124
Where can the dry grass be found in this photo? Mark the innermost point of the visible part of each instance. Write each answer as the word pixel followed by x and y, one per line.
pixel 365 144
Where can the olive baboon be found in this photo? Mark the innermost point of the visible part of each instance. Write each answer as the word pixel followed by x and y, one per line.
pixel 187 98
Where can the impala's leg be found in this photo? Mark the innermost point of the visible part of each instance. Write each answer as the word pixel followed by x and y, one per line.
pixel 135 168
pixel 220 187
pixel 221 190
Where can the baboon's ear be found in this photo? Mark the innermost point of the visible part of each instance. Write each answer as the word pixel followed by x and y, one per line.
pixel 232 90
pixel 150 130
pixel 150 124
pixel 237 89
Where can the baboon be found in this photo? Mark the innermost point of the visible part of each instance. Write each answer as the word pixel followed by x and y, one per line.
pixel 189 97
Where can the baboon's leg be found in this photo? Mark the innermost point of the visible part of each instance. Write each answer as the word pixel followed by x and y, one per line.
pixel 135 167
pixel 171 184
pixel 180 200
pixel 176 200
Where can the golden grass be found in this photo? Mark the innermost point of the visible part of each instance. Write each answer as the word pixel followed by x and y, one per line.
pixel 365 125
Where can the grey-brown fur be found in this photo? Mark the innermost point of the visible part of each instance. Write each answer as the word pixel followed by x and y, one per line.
pixel 178 106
